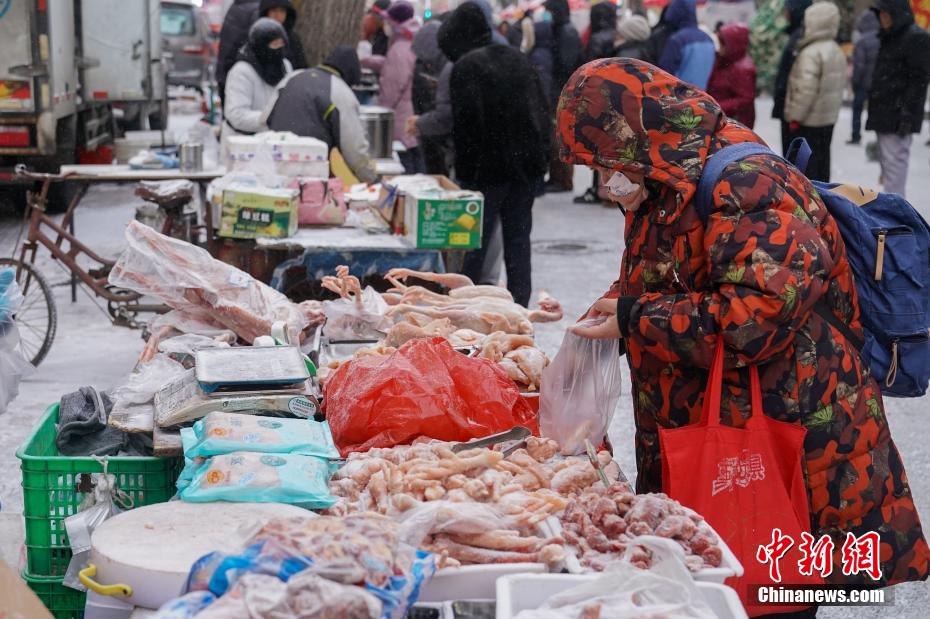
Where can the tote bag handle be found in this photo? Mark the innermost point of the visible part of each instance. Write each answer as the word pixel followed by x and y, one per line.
pixel 710 415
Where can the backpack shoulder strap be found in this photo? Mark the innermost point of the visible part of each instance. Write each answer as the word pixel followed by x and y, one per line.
pixel 799 153
pixel 713 168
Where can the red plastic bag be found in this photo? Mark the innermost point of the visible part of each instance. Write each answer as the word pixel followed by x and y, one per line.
pixel 746 483
pixel 424 389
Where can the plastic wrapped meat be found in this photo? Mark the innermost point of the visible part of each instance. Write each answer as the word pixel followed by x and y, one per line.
pixel 187 278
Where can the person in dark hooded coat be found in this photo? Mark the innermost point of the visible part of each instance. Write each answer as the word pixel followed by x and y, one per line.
pixel 501 128
pixel 603 32
pixel 689 52
pixel 319 103
pixel 865 53
pixel 285 14
pixel 795 11
pixel 899 89
pixel 233 35
pixel 430 74
pixel 567 55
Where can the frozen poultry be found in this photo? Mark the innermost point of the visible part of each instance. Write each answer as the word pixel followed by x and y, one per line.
pixel 476 318
pixel 345 285
pixel 464 338
pixel 496 345
pixel 187 278
pixel 531 362
pixel 403 332
pixel 449 280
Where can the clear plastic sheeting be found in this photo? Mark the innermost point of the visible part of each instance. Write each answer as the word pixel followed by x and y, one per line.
pixel 187 278
pixel 580 390
pixel 361 317
pixel 13 363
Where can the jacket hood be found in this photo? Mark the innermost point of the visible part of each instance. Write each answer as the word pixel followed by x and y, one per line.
pixel 627 115
pixel 464 31
pixel 426 46
pixel 344 60
pixel 901 14
pixel 603 17
pixel 681 14
pixel 735 40
pixel 542 35
pixel 486 10
pixel 821 23
pixel 796 10
pixel 561 14
pixel 267 5
pixel 867 22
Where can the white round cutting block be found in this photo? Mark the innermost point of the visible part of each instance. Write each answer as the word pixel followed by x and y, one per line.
pixel 152 548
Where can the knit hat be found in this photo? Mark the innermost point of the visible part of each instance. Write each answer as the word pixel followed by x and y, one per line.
pixel 634 28
pixel 400 11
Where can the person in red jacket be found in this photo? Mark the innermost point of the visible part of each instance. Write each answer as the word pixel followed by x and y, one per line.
pixel 733 82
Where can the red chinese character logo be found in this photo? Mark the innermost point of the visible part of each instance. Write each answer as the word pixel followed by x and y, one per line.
pixel 861 555
pixel 772 553
pixel 732 472
pixel 817 556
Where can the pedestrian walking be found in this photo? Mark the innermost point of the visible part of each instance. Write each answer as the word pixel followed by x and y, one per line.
pixel 466 30
pixel 733 82
pixel 633 35
pixel 233 35
pixel 251 82
pixel 794 11
pixel 865 54
pixel 431 96
pixel 815 86
pixel 689 52
pixel 319 103
pixel 396 80
pixel 658 37
pixel 567 55
pixel 501 129
pixel 283 12
pixel 899 89
pixel 749 277
pixel 602 33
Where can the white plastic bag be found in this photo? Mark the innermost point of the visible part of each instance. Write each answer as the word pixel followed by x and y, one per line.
pixel 358 318
pixel 625 592
pixel 579 391
pixel 13 363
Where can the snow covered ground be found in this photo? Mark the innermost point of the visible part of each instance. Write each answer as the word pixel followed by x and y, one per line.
pixel 588 241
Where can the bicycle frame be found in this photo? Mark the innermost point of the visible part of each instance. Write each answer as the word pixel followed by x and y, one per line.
pixel 37 236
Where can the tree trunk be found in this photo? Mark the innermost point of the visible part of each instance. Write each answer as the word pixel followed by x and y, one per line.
pixel 324 24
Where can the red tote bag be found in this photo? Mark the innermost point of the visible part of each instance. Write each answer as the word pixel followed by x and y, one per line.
pixel 745 482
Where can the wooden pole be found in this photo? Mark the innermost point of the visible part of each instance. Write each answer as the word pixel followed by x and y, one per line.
pixel 324 24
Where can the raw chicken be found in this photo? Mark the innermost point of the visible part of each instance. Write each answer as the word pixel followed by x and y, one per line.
pixel 477 318
pixel 531 362
pixel 187 278
pixel 403 332
pixel 496 345
pixel 465 338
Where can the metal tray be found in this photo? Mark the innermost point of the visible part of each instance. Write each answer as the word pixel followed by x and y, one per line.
pixel 250 365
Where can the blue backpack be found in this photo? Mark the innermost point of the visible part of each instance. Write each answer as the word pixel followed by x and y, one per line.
pixel 888 248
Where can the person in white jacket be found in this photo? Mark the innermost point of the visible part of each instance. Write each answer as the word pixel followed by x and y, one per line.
pixel 251 82
pixel 816 84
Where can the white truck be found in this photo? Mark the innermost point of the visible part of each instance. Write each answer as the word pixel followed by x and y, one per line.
pixel 66 67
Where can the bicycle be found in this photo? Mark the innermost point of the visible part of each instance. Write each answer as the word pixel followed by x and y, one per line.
pixel 37 317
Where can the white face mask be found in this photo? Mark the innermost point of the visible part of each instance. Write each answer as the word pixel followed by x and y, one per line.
pixel 620 186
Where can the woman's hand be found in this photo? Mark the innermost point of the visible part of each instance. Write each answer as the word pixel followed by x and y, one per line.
pixel 607 330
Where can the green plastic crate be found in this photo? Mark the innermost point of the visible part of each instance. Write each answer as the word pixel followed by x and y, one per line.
pixel 63 602
pixel 52 486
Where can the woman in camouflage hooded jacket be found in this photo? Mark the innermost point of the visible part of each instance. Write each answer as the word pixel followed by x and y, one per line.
pixel 751 276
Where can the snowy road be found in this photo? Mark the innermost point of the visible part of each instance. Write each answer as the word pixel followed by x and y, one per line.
pixel 576 257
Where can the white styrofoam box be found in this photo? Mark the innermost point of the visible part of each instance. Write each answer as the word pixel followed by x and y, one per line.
pixel 519 592
pixel 472 582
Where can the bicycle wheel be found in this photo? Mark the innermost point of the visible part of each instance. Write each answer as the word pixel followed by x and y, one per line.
pixel 37 317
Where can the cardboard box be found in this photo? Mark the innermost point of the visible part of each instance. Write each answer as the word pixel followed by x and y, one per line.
pixel 280 153
pixel 250 212
pixel 448 218
pixel 16 599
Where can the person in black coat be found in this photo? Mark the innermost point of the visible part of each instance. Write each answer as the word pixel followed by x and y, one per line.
pixel 899 89
pixel 658 37
pixel 567 55
pixel 285 14
pixel 233 35
pixel 501 128
pixel 603 32
pixel 795 10
pixel 865 55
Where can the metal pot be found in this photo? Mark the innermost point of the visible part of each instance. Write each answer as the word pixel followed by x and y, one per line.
pixel 379 123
